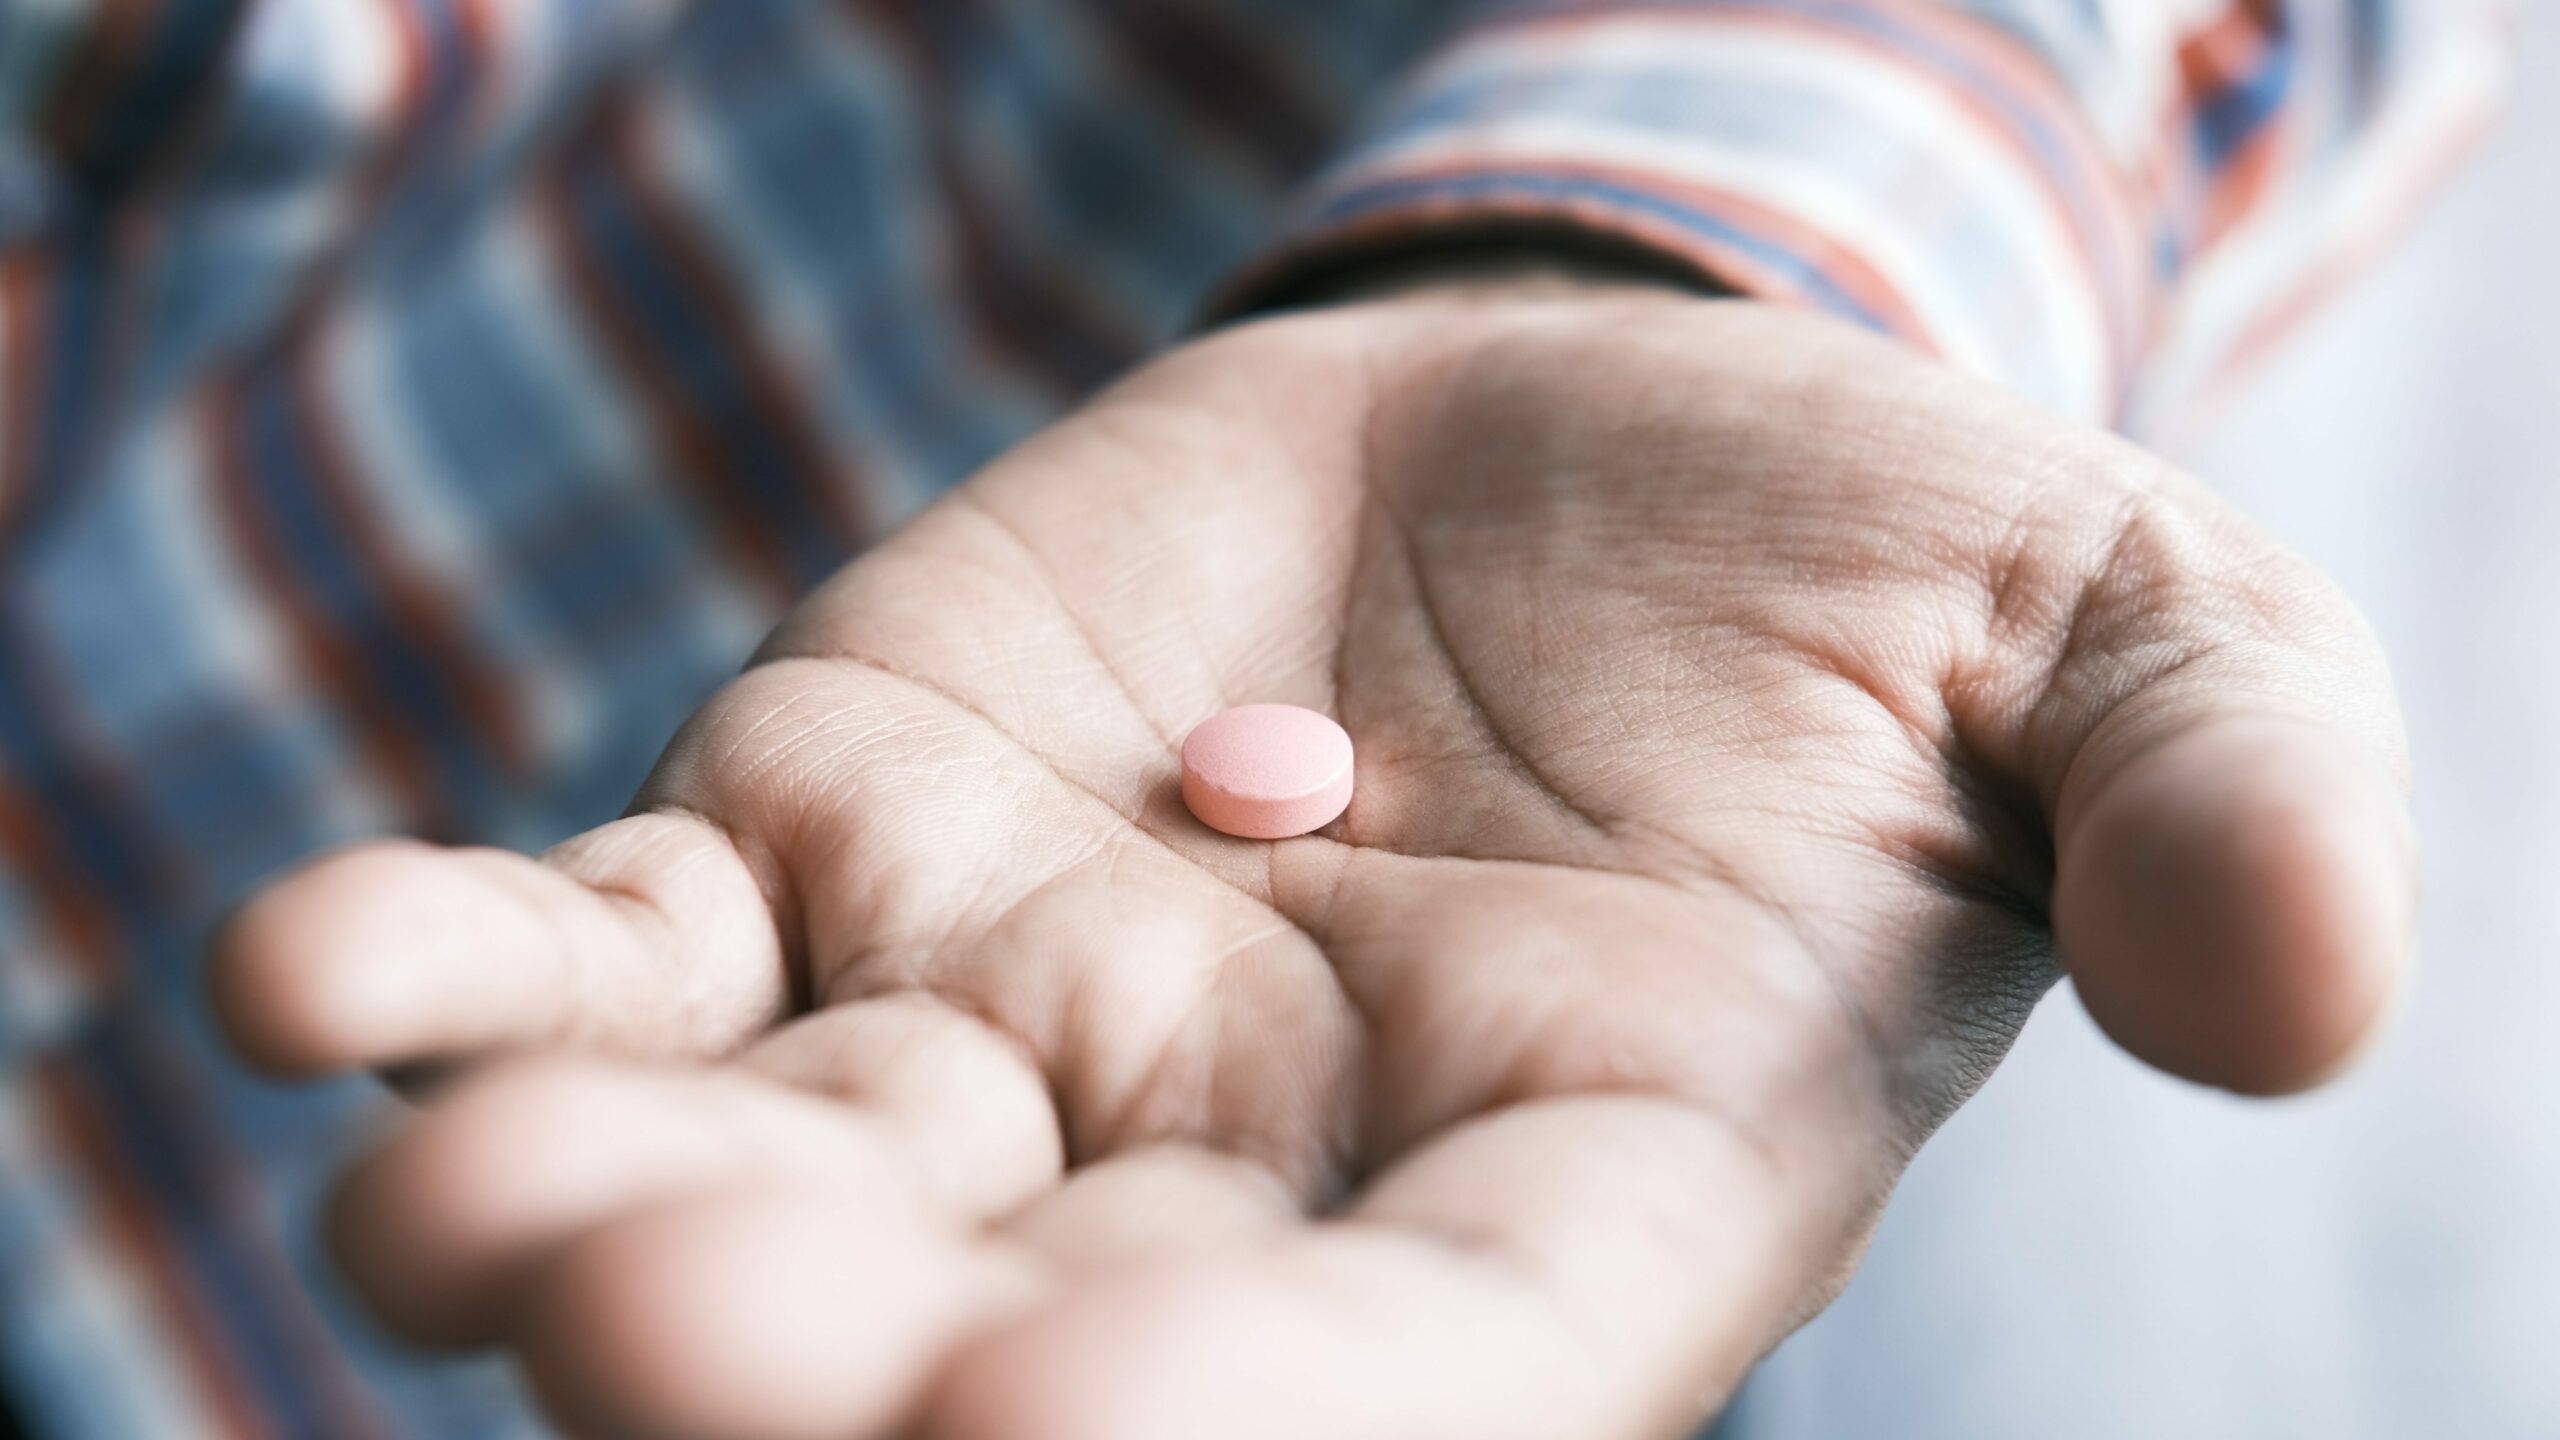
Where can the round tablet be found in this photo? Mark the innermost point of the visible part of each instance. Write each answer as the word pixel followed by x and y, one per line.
pixel 1266 772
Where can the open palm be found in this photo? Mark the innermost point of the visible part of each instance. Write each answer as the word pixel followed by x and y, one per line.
pixel 1743 707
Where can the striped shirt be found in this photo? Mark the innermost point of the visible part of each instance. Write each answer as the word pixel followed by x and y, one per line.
pixel 410 409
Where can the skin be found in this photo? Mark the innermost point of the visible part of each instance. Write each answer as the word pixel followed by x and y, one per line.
pixel 1751 717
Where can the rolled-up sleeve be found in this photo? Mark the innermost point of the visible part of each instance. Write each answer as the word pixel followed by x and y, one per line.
pixel 2105 206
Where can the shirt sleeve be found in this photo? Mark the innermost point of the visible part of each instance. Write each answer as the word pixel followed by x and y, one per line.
pixel 2109 206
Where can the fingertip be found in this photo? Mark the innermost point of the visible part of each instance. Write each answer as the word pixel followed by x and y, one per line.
pixel 2235 907
pixel 609 1340
pixel 1152 1354
pixel 363 1231
pixel 434 1228
pixel 773 1314
pixel 307 977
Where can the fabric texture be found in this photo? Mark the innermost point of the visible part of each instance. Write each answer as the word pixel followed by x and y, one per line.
pixel 411 409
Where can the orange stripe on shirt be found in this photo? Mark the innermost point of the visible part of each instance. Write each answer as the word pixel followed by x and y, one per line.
pixel 125 1213
pixel 425 617
pixel 606 151
pixel 1021 306
pixel 2222 56
pixel 22 276
pixel 69 906
pixel 840 497
pixel 2228 50
pixel 86 84
pixel 2100 239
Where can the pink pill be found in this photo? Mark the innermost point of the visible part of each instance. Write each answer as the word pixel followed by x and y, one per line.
pixel 1266 772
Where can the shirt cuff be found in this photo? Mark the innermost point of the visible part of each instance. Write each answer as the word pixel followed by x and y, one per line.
pixel 1894 162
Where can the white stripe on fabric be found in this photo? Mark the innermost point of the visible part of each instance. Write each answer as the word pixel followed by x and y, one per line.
pixel 677 145
pixel 356 375
pixel 344 59
pixel 2127 89
pixel 42 993
pixel 74 1305
pixel 2327 219
pixel 233 632
pixel 1835 207
pixel 605 425
pixel 244 224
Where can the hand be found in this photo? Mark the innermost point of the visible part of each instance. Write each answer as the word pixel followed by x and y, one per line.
pixel 1747 713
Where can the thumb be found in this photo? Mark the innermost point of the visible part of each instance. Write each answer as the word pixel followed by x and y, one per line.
pixel 2236 871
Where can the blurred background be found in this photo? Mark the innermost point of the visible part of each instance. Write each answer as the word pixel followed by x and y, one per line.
pixel 2090 1250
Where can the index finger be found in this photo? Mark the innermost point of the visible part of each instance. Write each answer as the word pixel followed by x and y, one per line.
pixel 649 936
